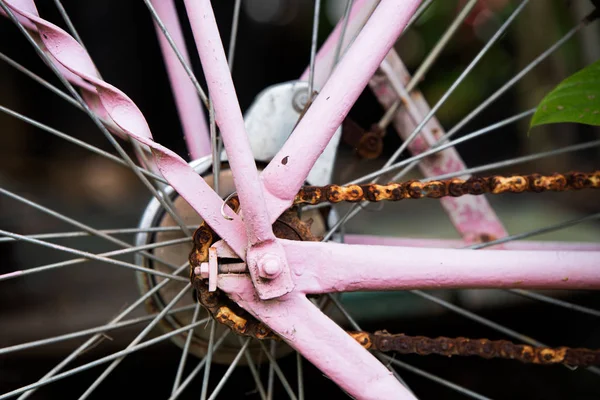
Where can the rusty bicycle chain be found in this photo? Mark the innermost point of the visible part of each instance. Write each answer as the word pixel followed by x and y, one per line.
pixel 311 195
pixel 460 346
pixel 229 313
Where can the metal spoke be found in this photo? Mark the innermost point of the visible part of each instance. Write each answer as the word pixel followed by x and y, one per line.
pixel 209 356
pixel 40 80
pixel 278 371
pixel 78 224
pixel 61 264
pixel 234 29
pixel 547 229
pixel 198 368
pixel 215 139
pixel 434 378
pixel 300 376
pixel 379 355
pixel 513 80
pixel 422 8
pixel 186 348
pixel 313 50
pixel 355 209
pixel 98 329
pixel 184 64
pixel 271 376
pixel 388 117
pixel 116 231
pixel 556 302
pixel 254 372
pixel 518 160
pixel 70 25
pixel 214 144
pixel 229 371
pixel 346 19
pixel 81 253
pixel 100 361
pixel 477 318
pixel 486 322
pixel 166 202
pixel 456 83
pixel 440 45
pixel 137 340
pixel 91 114
pixel 78 142
pixel 47 378
pixel 412 161
pixel 479 108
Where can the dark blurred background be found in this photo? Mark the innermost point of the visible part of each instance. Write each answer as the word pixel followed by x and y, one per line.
pixel 273 46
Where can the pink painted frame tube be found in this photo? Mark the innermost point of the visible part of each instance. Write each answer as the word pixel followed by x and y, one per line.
pixel 257 221
pixel 189 106
pixel 231 122
pixel 333 267
pixel 286 173
pixel 325 344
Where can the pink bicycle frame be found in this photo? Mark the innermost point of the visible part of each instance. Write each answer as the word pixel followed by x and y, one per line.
pixel 309 267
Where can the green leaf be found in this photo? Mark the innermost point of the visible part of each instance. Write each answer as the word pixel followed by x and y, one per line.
pixel 576 99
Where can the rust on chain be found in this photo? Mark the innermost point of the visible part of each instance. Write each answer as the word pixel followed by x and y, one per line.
pixel 217 303
pixel 221 307
pixel 450 187
pixel 421 345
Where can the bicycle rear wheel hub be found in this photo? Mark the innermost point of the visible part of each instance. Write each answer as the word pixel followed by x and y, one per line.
pixel 289 227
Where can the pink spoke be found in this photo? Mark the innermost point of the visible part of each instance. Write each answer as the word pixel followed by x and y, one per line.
pixel 455 244
pixel 123 112
pixel 187 101
pixel 287 172
pixel 320 340
pixel 332 267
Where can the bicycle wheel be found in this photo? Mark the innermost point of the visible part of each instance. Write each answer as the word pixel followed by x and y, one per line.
pixel 162 245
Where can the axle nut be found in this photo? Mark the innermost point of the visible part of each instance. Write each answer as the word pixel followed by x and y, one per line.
pixel 269 266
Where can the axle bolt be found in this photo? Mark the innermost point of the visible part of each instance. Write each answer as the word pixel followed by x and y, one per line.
pixel 269 266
